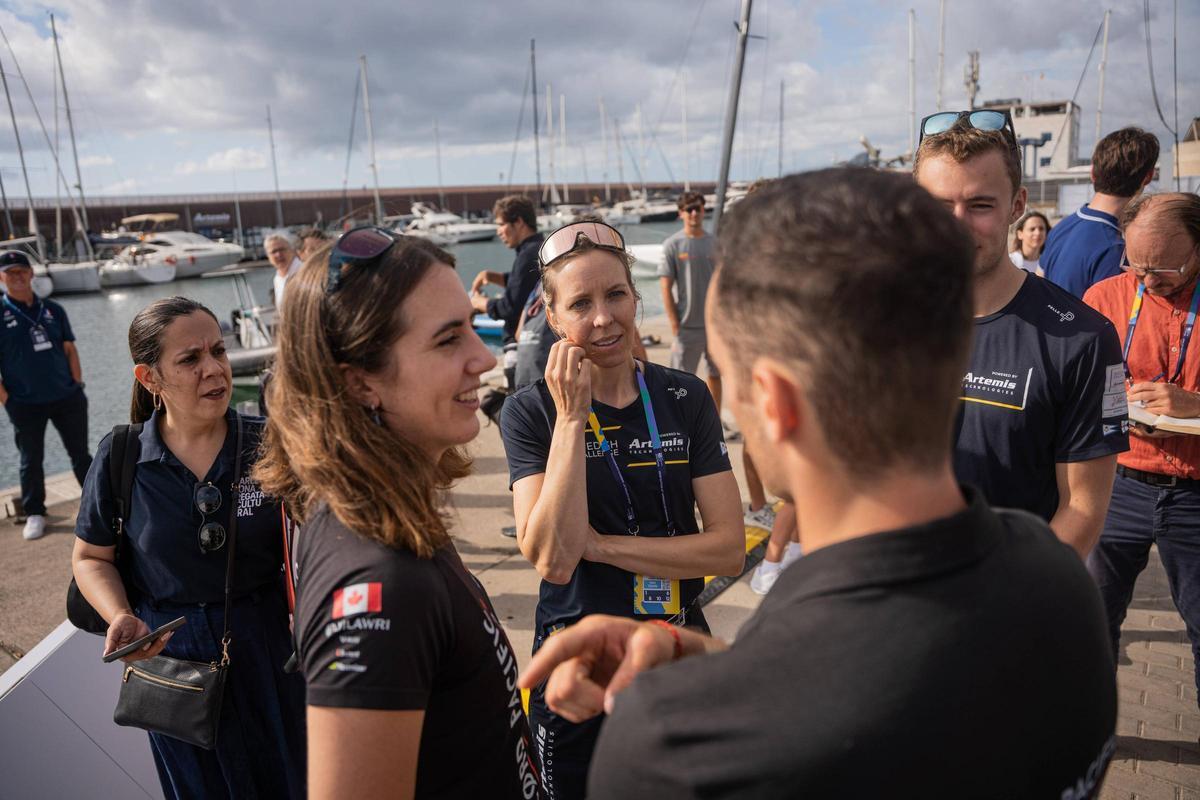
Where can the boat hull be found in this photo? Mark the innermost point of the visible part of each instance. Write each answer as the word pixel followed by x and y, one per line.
pixel 78 278
pixel 141 275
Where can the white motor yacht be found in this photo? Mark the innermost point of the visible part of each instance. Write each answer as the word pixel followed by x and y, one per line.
pixel 77 278
pixel 132 268
pixel 446 227
pixel 189 253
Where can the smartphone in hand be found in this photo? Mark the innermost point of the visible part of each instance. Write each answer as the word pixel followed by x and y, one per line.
pixel 134 646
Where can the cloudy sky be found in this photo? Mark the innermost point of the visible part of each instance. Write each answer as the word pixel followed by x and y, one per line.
pixel 171 96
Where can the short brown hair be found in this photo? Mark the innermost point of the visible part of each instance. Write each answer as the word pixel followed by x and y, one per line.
pixel 321 445
pixel 312 233
pixel 962 143
pixel 516 207
pixel 862 281
pixel 1180 207
pixel 689 199
pixel 1123 160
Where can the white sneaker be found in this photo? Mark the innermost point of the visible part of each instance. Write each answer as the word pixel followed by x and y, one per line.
pixel 791 554
pixel 764 577
pixel 35 527
pixel 762 518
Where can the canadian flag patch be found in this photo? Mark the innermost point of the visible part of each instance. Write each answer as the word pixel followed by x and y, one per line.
pixel 357 598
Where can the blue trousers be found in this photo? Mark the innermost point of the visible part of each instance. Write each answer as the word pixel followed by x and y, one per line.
pixel 69 417
pixel 1138 516
pixel 260 751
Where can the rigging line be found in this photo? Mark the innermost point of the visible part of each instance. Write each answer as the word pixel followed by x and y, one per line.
pixel 759 150
pixel 1078 86
pixel 678 69
pixel 512 164
pixel 96 126
pixel 350 141
pixel 1150 64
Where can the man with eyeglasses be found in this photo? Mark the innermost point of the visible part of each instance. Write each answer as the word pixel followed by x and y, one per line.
pixel 1086 246
pixel 1156 496
pixel 1043 413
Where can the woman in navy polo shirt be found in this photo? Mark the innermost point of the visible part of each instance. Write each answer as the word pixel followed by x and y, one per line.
pixel 176 537
pixel 645 441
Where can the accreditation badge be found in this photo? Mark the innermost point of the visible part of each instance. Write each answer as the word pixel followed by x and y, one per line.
pixel 41 339
pixel 658 596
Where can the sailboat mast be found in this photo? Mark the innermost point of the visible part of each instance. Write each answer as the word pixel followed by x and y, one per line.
pixel 551 193
pixel 362 60
pixel 62 76
pixel 437 148
pixel 274 171
pixel 33 226
pixel 12 232
pixel 562 144
pixel 1103 69
pixel 604 136
pixel 687 167
pixel 731 106
pixel 912 83
pixel 57 182
pixel 780 129
pixel 537 150
pixel 941 50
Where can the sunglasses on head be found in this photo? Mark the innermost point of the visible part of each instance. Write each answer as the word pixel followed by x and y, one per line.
pixel 211 535
pixel 357 247
pixel 985 120
pixel 566 239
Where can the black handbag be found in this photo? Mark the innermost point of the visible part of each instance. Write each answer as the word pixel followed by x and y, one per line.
pixel 178 698
pixel 122 462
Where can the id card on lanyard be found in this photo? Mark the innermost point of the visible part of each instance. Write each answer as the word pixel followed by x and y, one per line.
pixel 657 596
pixel 37 333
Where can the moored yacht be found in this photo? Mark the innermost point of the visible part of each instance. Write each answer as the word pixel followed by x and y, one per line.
pixel 446 227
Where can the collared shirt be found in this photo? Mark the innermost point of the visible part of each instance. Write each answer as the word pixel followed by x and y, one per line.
pixel 30 375
pixel 1155 350
pixel 900 666
pixel 520 282
pixel 164 522
pixel 279 282
pixel 1082 250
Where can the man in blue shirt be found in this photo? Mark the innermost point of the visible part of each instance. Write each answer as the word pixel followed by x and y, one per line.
pixel 40 382
pixel 1086 247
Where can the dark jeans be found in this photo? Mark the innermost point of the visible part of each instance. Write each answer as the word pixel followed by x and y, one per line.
pixel 70 419
pixel 1138 516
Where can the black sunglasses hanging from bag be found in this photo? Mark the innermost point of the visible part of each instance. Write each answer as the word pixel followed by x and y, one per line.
pixel 178 698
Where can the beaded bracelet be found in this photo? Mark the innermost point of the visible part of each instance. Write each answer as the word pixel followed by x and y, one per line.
pixel 674 635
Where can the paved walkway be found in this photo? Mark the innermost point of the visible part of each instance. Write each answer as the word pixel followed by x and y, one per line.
pixel 1157 756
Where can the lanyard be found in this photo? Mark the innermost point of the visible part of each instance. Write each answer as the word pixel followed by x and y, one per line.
pixel 1188 325
pixel 35 322
pixel 660 463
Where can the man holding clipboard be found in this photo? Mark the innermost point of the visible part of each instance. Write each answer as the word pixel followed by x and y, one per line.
pixel 1156 495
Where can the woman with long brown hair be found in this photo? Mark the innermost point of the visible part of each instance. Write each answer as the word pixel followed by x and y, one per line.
pixel 411 680
pixel 179 540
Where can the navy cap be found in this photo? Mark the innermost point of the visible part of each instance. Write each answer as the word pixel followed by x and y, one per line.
pixel 13 258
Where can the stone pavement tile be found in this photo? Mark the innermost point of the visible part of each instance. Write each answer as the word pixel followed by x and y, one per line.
pixel 1127 785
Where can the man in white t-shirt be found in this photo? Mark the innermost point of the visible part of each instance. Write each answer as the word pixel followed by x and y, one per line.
pixel 282 256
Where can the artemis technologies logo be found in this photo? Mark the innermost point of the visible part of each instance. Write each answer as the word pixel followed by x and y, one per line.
pixel 998 388
pixel 1063 316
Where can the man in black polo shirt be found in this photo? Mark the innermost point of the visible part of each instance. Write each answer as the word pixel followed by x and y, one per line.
pixel 40 382
pixel 926 645
pixel 516 224
pixel 1043 408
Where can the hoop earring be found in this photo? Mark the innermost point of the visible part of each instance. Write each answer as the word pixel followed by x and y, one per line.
pixel 157 402
pixel 373 412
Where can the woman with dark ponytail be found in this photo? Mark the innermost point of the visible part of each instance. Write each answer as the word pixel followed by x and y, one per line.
pixel 189 482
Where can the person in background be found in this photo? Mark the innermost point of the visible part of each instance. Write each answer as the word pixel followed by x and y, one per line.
pixel 688 262
pixel 516 225
pixel 1042 419
pixel 783 548
pixel 1028 240
pixel 915 613
pixel 181 510
pixel 41 381
pixel 283 258
pixel 311 240
pixel 1085 247
pixel 1156 497
pixel 411 679
pixel 608 459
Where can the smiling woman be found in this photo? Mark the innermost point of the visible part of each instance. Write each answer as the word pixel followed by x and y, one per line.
pixel 375 392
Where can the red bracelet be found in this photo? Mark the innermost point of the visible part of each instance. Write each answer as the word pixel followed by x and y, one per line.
pixel 662 623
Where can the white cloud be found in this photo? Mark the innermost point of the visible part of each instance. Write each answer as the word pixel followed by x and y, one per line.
pixel 96 161
pixel 127 186
pixel 234 159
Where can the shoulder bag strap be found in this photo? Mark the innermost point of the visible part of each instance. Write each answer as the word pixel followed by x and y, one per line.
pixel 233 515
pixel 122 464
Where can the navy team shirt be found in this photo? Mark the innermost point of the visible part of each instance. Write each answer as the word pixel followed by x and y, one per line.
pixel 167 563
pixel 694 446
pixel 1082 250
pixel 1045 385
pixel 35 377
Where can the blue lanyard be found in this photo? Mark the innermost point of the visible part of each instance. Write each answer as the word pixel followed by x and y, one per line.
pixel 35 322
pixel 660 462
pixel 1188 325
